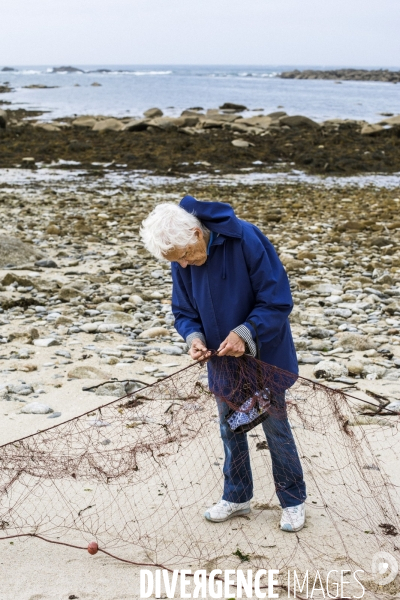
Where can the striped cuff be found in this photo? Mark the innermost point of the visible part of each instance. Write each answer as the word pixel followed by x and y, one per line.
pixel 244 332
pixel 194 336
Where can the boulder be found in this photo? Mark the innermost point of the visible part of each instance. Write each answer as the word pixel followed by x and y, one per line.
pixel 391 120
pixel 15 252
pixel 46 126
pixel 89 122
pixel 108 125
pixel 3 119
pixel 151 113
pixel 165 123
pixel 299 121
pixel 261 121
pixel 87 372
pixel 233 106
pixel 370 129
pixel 136 125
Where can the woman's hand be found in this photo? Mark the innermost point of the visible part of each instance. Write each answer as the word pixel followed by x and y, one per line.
pixel 233 345
pixel 198 350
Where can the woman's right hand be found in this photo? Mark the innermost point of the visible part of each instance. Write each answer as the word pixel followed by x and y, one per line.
pixel 198 350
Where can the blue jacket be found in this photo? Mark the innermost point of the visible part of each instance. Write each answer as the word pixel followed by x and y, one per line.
pixel 242 280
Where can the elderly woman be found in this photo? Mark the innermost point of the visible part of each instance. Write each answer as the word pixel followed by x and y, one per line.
pixel 230 291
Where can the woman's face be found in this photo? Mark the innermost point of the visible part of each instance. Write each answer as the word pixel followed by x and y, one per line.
pixel 193 255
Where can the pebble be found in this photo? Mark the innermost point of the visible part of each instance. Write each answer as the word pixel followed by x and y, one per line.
pixel 46 264
pixel 36 408
pixel 54 415
pixel 46 342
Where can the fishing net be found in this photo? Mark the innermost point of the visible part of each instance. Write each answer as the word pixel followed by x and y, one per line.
pixel 137 474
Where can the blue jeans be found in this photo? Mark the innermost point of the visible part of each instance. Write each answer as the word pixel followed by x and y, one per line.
pixel 286 468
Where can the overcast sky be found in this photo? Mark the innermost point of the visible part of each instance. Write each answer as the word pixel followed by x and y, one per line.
pixel 270 32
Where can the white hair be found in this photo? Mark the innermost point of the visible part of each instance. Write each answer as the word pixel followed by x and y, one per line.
pixel 167 227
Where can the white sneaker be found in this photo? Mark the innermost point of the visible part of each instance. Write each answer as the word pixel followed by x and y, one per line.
pixel 224 510
pixel 293 518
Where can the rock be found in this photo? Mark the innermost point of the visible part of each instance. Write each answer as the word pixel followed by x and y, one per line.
pixel 109 360
pixel 36 408
pixel 107 327
pixel 95 84
pixel 53 229
pixel 135 299
pixel 355 341
pixel 326 288
pixel 90 327
pixel 329 370
pixel 370 129
pixel 46 342
pixel 392 120
pixel 392 307
pixel 3 119
pixel 394 406
pixel 108 125
pixel 63 353
pixel 66 70
pixel 355 367
pixel 173 350
pixel 151 113
pixel 345 313
pixel 109 306
pixel 23 389
pixel 83 121
pixel 15 252
pixel 69 293
pixel 232 106
pixel 374 371
pixel 87 373
pixel 154 332
pixel 165 123
pixel 10 278
pixel 63 321
pixel 299 121
pixel 116 389
pixel 46 264
pixel 54 415
pixel 111 352
pixel 239 143
pixel 319 332
pixel 121 318
pixel 136 125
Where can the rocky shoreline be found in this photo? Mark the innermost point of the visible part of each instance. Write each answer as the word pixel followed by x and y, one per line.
pixel 83 302
pixel 344 75
pixel 214 140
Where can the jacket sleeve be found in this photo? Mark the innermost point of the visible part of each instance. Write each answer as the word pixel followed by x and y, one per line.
pixel 187 319
pixel 273 299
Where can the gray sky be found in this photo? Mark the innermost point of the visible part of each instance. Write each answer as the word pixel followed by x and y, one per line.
pixel 304 32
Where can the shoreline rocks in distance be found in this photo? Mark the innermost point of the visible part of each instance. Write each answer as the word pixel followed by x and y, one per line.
pixel 344 75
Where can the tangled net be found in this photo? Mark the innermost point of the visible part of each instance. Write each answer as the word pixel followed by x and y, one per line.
pixel 136 475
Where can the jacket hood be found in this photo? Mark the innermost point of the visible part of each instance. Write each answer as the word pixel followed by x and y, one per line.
pixel 216 216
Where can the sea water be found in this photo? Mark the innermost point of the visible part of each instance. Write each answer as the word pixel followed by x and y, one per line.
pixel 127 91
